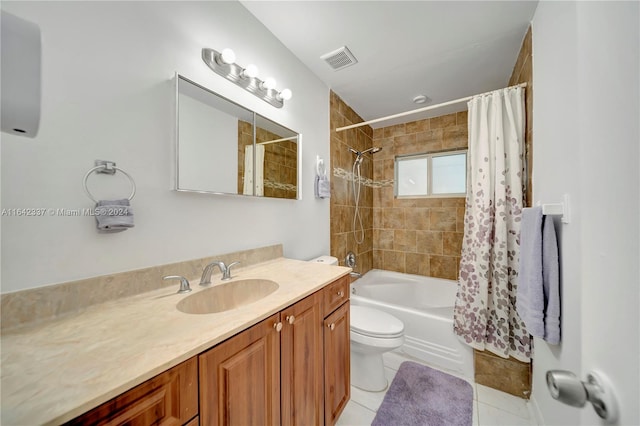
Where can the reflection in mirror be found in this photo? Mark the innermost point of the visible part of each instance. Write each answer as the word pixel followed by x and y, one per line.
pixel 277 151
pixel 219 151
pixel 209 130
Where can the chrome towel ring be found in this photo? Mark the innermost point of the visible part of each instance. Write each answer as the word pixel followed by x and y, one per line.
pixel 107 167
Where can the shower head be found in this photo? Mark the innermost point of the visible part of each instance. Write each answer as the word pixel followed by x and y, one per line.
pixel 372 150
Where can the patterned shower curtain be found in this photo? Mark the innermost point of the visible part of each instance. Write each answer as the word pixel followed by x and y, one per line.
pixel 485 314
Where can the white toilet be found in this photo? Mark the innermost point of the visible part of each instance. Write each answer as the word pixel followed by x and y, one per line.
pixel 373 332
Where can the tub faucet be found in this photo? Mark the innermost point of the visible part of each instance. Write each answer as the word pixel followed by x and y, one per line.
pixel 226 271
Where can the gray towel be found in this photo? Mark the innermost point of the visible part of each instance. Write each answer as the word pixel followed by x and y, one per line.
pixel 114 215
pixel 538 297
pixel 530 296
pixel 551 282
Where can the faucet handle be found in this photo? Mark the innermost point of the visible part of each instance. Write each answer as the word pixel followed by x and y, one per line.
pixel 226 274
pixel 184 283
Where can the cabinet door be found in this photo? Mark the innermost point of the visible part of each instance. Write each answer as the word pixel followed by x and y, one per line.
pixel 301 345
pixel 171 398
pixel 337 358
pixel 240 378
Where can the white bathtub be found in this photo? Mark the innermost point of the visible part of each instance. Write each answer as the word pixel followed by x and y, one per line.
pixel 425 306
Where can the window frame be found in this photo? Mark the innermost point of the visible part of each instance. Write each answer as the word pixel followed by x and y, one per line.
pixel 429 156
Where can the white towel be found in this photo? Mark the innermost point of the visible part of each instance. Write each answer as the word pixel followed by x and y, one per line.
pixel 322 186
pixel 538 296
pixel 248 170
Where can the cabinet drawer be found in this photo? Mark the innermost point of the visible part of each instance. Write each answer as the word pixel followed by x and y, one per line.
pixel 335 294
pixel 170 398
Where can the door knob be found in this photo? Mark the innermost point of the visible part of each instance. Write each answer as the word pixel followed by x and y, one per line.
pixel 278 326
pixel 567 388
pixel 331 326
pixel 290 319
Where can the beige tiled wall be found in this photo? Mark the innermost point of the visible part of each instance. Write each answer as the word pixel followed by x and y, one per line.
pixel 342 200
pixel 523 73
pixel 418 235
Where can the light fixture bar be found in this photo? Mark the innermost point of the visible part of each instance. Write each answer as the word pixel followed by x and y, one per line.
pixel 234 73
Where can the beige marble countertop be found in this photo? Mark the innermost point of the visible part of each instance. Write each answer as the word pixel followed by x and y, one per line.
pixel 54 372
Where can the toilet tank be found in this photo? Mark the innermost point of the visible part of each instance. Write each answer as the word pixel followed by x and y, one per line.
pixel 329 260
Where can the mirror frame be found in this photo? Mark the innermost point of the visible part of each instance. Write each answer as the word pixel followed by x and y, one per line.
pixel 255 116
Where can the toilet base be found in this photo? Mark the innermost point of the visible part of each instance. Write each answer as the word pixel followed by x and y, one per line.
pixel 367 372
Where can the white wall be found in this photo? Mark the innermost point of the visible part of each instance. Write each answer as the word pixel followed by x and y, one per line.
pixel 585 78
pixel 107 94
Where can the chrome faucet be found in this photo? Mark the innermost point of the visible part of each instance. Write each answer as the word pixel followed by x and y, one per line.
pixel 226 271
pixel 184 283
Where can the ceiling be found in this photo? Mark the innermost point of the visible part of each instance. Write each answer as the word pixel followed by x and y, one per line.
pixel 445 50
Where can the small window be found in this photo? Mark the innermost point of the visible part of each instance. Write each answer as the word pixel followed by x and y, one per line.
pixel 441 174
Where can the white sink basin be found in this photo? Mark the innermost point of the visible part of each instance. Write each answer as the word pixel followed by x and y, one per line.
pixel 227 296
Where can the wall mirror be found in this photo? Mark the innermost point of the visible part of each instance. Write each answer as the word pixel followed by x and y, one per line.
pixel 224 148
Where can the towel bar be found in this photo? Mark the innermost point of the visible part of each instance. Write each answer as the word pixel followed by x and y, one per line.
pixel 558 209
pixel 107 167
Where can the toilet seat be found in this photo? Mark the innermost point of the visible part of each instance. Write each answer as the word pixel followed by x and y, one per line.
pixel 375 323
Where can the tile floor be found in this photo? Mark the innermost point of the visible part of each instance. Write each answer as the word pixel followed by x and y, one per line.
pixel 490 407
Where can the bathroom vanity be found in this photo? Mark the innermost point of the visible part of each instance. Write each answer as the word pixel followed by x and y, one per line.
pixel 281 360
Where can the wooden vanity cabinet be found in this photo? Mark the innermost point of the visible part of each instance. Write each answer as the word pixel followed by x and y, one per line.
pixel 270 374
pixel 289 369
pixel 170 398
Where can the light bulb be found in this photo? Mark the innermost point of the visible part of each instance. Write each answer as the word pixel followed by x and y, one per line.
pixel 250 71
pixel 227 56
pixel 268 83
pixel 285 95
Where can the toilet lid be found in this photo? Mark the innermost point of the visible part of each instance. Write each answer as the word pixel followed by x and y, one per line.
pixel 375 323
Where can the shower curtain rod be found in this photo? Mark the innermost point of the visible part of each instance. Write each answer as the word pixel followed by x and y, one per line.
pixel 277 140
pixel 430 107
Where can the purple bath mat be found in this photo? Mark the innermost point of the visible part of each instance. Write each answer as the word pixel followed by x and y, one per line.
pixel 422 396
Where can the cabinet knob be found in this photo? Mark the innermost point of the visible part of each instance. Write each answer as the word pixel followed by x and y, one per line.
pixel 341 293
pixel 278 326
pixel 331 326
pixel 290 319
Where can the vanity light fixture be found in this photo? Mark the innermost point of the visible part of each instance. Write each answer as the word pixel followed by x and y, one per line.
pixel 284 95
pixel 269 83
pixel 223 63
pixel 251 71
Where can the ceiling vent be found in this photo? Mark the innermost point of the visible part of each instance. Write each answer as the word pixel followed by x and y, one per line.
pixel 340 58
